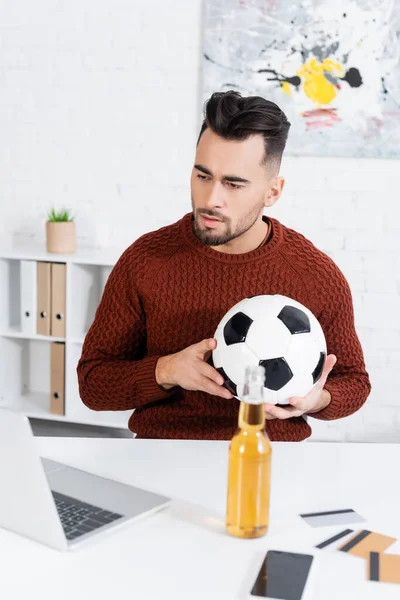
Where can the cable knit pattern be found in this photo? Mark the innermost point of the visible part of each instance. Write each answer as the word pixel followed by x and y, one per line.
pixel 168 291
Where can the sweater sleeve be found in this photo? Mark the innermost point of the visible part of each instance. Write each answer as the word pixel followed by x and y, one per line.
pixel 348 383
pixel 113 372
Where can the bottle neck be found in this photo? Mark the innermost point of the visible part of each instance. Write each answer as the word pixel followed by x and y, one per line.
pixel 251 416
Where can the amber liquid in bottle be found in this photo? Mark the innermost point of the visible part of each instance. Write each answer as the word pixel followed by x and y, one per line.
pixel 250 451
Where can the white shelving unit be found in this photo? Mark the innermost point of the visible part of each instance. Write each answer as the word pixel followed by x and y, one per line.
pixel 25 357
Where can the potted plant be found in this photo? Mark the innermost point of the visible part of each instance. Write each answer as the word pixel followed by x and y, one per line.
pixel 60 232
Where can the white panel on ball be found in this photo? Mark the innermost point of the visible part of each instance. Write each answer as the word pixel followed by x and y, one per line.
pixel 303 353
pixel 219 352
pixel 270 396
pixel 259 306
pixel 268 337
pixel 318 334
pixel 299 386
pixel 234 360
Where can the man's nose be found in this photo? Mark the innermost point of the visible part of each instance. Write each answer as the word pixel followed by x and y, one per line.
pixel 216 197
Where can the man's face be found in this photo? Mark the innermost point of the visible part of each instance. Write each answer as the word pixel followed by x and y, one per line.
pixel 231 186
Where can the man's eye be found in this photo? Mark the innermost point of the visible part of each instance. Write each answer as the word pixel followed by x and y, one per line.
pixel 234 186
pixel 202 177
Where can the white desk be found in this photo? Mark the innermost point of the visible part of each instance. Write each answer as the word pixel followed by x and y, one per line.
pixel 183 552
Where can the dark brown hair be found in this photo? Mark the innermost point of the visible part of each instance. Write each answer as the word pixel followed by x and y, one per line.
pixel 234 117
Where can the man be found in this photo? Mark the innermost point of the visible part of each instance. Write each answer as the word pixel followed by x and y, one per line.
pixel 151 338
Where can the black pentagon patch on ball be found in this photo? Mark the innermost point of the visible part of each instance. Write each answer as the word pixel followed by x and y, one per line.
pixel 319 368
pixel 295 320
pixel 277 373
pixel 228 383
pixel 236 329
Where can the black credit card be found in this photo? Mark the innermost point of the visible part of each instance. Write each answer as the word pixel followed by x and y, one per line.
pixel 282 575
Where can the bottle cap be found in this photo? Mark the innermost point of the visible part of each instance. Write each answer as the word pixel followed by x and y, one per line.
pixel 254 385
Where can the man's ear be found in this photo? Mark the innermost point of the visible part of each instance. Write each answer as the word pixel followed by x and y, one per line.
pixel 274 192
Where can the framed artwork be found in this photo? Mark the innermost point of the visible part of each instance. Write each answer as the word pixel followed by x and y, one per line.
pixel 333 67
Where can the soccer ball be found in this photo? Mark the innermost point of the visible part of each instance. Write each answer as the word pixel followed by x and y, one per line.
pixel 278 333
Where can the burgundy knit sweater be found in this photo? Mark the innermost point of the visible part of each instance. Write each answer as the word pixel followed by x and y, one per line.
pixel 169 291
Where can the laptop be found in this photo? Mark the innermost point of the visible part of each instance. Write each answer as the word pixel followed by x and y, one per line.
pixel 58 505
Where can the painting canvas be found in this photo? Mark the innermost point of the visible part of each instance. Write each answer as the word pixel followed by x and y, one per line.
pixel 333 66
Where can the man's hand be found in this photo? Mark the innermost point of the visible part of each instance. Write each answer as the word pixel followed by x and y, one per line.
pixel 315 401
pixel 189 370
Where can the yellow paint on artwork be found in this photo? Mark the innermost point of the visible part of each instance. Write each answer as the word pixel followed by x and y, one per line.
pixel 316 85
pixel 286 88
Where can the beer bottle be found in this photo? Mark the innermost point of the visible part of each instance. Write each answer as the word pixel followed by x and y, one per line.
pixel 249 472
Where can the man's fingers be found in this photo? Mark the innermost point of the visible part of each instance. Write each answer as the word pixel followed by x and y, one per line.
pixel 208 371
pixel 207 357
pixel 205 346
pixel 281 413
pixel 211 381
pixel 329 364
pixel 298 403
pixel 268 417
pixel 206 385
pixel 302 404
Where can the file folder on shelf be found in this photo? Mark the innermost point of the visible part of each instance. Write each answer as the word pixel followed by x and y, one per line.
pixel 58 284
pixel 57 376
pixel 43 298
pixel 28 296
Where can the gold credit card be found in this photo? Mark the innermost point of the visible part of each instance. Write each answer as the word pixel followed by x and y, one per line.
pixel 363 542
pixel 383 567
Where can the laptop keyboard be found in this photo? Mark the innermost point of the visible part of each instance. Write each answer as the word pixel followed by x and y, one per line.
pixel 79 518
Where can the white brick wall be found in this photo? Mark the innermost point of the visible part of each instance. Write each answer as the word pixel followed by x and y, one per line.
pixel 348 208
pixel 99 110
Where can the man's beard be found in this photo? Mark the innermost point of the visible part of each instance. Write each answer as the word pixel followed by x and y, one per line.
pixel 211 238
